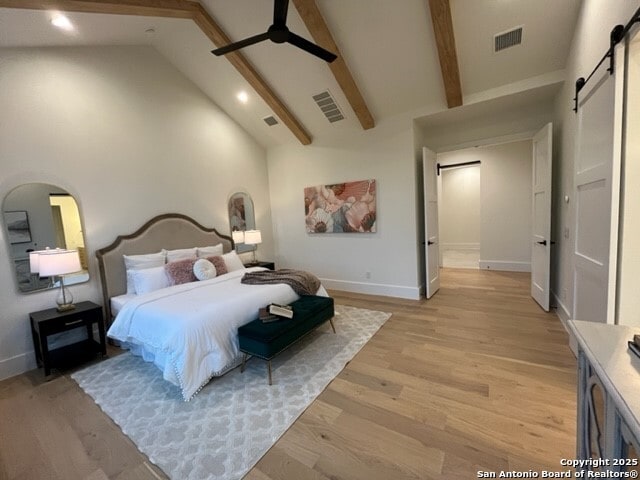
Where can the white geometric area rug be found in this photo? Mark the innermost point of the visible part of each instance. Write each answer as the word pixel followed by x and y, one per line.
pixel 225 429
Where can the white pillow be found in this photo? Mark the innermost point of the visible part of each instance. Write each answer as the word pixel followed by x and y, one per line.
pixel 232 261
pixel 181 254
pixel 150 279
pixel 139 262
pixel 204 252
pixel 204 270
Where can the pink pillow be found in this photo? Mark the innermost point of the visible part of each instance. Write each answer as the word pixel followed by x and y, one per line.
pixel 181 271
pixel 218 262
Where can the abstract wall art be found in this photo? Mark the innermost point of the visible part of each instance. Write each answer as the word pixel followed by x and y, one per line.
pixel 348 207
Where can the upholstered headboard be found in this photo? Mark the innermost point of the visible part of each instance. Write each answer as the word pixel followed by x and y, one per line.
pixel 169 231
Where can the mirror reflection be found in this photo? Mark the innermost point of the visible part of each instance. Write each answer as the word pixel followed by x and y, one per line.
pixel 241 218
pixel 37 216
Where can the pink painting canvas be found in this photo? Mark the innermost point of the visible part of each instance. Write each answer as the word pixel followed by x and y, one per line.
pixel 341 207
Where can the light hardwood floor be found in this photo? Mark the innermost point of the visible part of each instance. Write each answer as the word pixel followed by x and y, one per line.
pixel 477 378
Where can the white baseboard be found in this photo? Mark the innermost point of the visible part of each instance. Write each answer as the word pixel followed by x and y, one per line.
pixel 563 314
pixel 460 246
pixel 411 293
pixel 505 266
pixel 561 310
pixel 10 367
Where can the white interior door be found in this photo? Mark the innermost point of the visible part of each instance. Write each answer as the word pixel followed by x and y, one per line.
pixel 541 217
pixel 597 190
pixel 432 249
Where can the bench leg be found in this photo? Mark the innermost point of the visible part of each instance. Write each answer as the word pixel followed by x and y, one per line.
pixel 332 325
pixel 244 361
pixel 269 370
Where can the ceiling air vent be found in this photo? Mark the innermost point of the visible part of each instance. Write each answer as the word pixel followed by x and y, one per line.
pixel 507 39
pixel 270 120
pixel 328 106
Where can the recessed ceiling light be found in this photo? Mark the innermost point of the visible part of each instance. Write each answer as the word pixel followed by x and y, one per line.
pixel 62 22
pixel 243 97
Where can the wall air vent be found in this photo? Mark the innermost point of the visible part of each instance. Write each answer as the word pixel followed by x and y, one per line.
pixel 270 120
pixel 507 39
pixel 328 106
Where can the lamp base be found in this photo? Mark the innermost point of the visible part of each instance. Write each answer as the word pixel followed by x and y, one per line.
pixel 64 298
pixel 66 307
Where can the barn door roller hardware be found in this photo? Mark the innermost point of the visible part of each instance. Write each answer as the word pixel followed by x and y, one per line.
pixel 616 36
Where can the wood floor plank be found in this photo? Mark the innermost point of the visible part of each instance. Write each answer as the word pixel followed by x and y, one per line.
pixel 476 378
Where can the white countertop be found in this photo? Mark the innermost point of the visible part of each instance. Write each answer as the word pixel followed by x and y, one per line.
pixel 605 346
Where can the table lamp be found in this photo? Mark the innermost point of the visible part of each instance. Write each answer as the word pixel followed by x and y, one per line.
pixel 253 237
pixel 60 262
pixel 238 236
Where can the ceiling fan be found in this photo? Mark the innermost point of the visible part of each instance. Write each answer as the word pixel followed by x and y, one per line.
pixel 279 33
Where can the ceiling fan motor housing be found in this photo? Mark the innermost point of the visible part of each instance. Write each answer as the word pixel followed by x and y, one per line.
pixel 278 33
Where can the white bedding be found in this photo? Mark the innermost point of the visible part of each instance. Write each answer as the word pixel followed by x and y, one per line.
pixel 118 302
pixel 191 330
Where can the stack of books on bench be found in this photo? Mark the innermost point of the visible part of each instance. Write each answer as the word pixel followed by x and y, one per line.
pixel 275 312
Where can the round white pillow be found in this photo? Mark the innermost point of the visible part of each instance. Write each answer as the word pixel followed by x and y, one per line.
pixel 203 269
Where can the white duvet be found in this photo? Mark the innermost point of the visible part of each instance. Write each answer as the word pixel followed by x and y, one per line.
pixel 191 330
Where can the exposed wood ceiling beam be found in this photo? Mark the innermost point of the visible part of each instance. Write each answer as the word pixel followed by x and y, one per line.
pixel 445 41
pixel 316 25
pixel 177 9
pixel 151 8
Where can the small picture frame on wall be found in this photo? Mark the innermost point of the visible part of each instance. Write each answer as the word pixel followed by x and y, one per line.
pixel 17 223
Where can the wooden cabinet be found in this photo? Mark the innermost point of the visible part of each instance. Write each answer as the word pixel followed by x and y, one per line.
pixel 608 398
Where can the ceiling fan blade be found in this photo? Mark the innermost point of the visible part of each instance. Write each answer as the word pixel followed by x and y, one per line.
pixel 280 8
pixel 240 44
pixel 312 48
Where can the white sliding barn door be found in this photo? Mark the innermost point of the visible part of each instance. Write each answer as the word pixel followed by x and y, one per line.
pixel 597 194
pixel 541 217
pixel 628 300
pixel 432 248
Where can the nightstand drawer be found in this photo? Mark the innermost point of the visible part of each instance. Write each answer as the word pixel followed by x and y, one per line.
pixel 68 322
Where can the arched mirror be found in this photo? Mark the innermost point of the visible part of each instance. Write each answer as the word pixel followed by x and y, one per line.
pixel 37 216
pixel 241 218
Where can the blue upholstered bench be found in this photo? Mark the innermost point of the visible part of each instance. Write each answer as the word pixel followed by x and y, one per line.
pixel 266 340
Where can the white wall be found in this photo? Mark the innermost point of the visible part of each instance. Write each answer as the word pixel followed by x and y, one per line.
pixel 459 207
pixel 628 301
pixel 129 137
pixel 590 42
pixel 342 260
pixel 505 199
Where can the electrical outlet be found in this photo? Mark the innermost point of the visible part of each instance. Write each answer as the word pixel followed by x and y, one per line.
pixel 566 232
pixel 367 275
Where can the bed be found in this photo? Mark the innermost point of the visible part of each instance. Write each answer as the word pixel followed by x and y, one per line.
pixel 188 330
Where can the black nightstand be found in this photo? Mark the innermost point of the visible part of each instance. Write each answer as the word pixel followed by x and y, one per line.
pixel 269 265
pixel 47 322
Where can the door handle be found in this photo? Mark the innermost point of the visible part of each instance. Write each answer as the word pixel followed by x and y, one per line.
pixel 429 242
pixel 543 242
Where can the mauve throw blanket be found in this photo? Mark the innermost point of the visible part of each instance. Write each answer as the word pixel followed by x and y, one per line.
pixel 303 283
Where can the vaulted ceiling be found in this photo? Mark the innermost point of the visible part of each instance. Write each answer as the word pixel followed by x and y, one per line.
pixel 394 56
